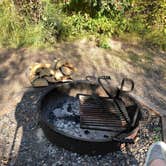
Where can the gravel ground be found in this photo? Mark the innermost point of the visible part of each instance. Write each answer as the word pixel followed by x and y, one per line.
pixel 29 147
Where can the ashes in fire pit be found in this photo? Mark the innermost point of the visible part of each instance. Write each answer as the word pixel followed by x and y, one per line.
pixel 66 117
pixel 61 113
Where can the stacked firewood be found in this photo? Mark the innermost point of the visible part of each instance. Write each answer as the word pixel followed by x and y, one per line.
pixel 41 74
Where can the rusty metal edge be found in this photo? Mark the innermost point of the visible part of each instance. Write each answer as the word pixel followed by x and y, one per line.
pixel 148 105
pixel 163 121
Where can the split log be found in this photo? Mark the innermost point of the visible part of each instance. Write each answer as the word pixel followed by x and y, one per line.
pixel 66 78
pixel 37 66
pixel 57 64
pixel 41 74
pixel 50 79
pixel 38 70
pixel 40 82
pixel 58 75
pixel 66 70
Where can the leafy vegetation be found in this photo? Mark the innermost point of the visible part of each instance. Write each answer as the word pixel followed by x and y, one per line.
pixel 45 22
pixel 17 30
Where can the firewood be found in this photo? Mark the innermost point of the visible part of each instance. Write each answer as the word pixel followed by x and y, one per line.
pixel 53 66
pixel 38 66
pixel 43 72
pixel 58 75
pixel 57 64
pixel 40 82
pixel 66 78
pixel 33 77
pixel 36 69
pixel 50 79
pixel 52 72
pixel 71 66
pixel 66 70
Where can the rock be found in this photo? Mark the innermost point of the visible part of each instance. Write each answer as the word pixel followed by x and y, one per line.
pixel 40 135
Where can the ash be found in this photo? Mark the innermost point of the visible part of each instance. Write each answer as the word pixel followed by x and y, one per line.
pixel 66 118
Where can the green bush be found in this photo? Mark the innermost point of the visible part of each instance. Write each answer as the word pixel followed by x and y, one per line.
pixel 31 9
pixel 45 22
pixel 156 38
pixel 16 30
pixel 103 42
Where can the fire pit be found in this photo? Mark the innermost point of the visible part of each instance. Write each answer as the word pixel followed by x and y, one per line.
pixel 61 119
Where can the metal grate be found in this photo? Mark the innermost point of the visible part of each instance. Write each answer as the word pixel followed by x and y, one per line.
pixel 101 113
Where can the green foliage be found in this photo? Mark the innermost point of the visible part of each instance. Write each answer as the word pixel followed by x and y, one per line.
pixel 78 24
pixel 103 42
pixel 156 38
pixel 84 6
pixel 31 9
pixel 52 20
pixel 45 22
pixel 17 31
pixel 148 20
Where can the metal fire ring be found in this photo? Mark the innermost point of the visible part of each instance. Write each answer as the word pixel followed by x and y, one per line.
pixel 76 144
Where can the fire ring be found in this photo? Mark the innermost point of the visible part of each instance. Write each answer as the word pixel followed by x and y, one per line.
pixel 63 98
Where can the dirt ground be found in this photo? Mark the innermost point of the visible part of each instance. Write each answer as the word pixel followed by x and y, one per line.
pixel 18 100
pixel 145 66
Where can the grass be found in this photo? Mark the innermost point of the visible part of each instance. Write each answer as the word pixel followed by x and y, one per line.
pixel 16 30
pixel 55 24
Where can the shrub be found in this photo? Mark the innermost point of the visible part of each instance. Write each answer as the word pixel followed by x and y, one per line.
pixel 45 22
pixel 16 30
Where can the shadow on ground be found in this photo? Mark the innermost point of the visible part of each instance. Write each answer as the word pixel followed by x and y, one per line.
pixel 145 66
pixel 34 149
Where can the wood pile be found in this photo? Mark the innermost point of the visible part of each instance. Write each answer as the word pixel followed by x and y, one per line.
pixel 41 74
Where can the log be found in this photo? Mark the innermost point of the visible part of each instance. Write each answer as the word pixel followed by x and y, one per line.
pixel 40 82
pixel 50 79
pixel 66 78
pixel 57 64
pixel 66 70
pixel 58 75
pixel 43 72
pixel 37 66
pixel 38 70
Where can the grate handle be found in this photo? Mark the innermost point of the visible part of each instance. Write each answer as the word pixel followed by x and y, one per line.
pixel 127 80
pixel 105 78
pixel 123 83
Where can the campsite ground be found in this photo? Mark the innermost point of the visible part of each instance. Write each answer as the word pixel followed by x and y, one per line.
pixel 18 101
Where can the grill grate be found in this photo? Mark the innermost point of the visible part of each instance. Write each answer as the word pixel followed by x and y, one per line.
pixel 101 113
